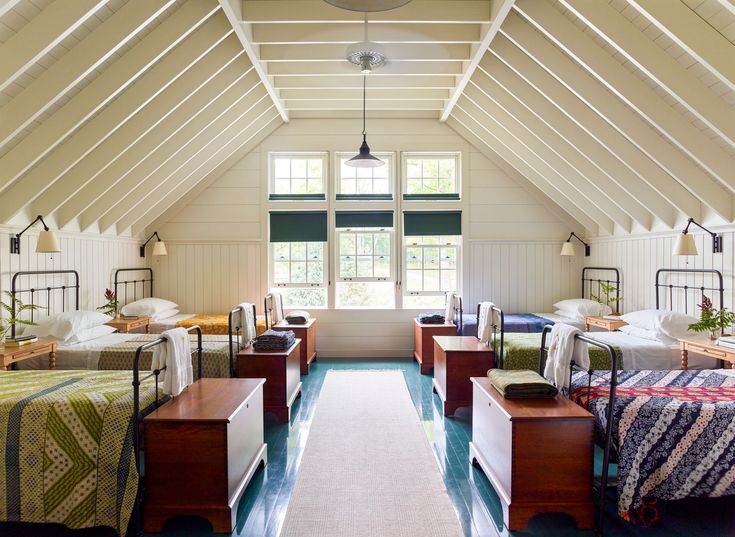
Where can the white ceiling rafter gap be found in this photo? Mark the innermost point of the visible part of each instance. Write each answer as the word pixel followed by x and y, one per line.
pixel 500 11
pixel 233 11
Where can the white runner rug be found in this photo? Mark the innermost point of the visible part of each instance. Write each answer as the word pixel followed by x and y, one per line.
pixel 368 468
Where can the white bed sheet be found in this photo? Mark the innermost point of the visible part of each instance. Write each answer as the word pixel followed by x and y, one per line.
pixel 162 325
pixel 576 323
pixel 639 353
pixel 79 355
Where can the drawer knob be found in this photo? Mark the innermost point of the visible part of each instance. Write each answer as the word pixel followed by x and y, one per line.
pixel 489 404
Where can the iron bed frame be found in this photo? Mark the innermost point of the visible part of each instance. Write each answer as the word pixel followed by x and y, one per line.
pixel 233 327
pixel 16 291
pixel 688 288
pixel 117 283
pixel 590 281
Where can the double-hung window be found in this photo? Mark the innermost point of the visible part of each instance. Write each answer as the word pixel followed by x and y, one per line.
pixel 431 176
pixel 365 267
pixel 431 260
pixel 299 257
pixel 364 183
pixel 298 176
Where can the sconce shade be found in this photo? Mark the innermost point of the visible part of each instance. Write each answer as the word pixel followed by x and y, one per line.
pixel 685 245
pixel 159 248
pixel 47 242
pixel 567 249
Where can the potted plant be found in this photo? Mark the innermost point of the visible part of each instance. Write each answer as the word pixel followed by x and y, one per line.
pixel 608 296
pixel 712 320
pixel 14 314
pixel 110 307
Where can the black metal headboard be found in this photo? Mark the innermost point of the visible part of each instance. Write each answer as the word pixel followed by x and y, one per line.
pixel 588 283
pixel 33 290
pixel 135 283
pixel 687 288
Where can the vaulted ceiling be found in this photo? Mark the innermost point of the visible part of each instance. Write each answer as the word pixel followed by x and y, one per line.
pixel 622 112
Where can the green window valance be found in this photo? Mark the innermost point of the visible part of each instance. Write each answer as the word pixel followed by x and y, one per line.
pixel 432 223
pixel 298 226
pixel 354 219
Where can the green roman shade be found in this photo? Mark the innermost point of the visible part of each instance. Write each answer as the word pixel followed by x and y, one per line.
pixel 298 226
pixel 417 223
pixel 354 219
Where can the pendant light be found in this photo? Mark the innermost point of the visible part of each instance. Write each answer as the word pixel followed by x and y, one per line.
pixel 364 159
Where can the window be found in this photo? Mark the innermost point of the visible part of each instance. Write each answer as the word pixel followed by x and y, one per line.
pixel 298 257
pixel 431 257
pixel 297 176
pixel 365 268
pixel 431 176
pixel 365 183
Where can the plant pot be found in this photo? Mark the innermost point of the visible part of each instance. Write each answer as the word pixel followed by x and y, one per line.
pixel 714 335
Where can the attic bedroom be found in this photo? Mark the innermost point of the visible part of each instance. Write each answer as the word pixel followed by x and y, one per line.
pixel 356 268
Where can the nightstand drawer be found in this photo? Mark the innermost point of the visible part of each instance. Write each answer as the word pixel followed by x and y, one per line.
pixel 707 351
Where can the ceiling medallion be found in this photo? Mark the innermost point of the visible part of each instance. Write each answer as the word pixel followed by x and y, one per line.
pixel 365 6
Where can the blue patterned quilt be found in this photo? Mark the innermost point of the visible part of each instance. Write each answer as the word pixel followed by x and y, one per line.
pixel 674 432
pixel 526 323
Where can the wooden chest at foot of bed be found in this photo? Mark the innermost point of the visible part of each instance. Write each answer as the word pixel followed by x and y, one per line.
pixel 307 334
pixel 456 359
pixel 201 450
pixel 282 372
pixel 537 453
pixel 423 337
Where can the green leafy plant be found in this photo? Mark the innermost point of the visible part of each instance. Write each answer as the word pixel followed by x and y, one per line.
pixel 712 319
pixel 110 307
pixel 13 319
pixel 608 295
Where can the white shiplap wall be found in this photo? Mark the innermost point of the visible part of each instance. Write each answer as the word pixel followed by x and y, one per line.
pixel 95 257
pixel 218 242
pixel 639 258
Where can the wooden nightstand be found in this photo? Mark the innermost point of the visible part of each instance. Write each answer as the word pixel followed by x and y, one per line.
pixel 42 347
pixel 707 347
pixel 611 325
pixel 307 334
pixel 125 326
pixel 423 341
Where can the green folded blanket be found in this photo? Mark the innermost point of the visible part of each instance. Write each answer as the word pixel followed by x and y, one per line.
pixel 521 384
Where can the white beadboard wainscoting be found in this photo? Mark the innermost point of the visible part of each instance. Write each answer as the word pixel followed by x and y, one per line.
pixel 638 259
pixel 95 257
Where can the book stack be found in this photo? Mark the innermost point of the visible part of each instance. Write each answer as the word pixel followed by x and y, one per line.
pixel 726 341
pixel 129 317
pixel 19 341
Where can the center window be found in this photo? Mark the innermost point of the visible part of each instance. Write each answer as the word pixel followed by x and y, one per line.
pixel 365 183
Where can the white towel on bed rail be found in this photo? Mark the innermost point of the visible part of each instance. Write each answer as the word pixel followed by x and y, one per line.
pixel 247 324
pixel 275 305
pixel 452 302
pixel 563 348
pixel 485 321
pixel 175 355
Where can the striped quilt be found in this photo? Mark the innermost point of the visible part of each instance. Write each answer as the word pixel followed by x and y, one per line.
pixel 674 432
pixel 67 447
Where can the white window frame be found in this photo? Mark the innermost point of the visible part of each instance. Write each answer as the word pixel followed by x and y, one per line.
pixel 388 157
pixel 311 155
pixel 272 267
pixel 358 231
pixel 456 155
pixel 407 244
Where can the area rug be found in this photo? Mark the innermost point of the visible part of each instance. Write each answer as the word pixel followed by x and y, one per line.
pixel 368 468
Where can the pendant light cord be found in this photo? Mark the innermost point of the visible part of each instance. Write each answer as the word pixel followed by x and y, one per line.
pixel 364 81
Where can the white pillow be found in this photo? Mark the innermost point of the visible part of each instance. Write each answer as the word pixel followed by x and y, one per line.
pixel 566 314
pixel 64 325
pixel 90 333
pixel 579 308
pixel 148 307
pixel 669 324
pixel 165 315
pixel 643 333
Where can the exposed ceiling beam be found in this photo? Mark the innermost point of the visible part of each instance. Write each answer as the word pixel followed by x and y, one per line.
pixel 46 30
pixel 688 30
pixel 346 82
pixel 394 104
pixel 76 64
pixel 355 94
pixel 233 11
pixel 398 52
pixel 633 91
pixel 500 10
pixel 7 5
pixel 379 33
pixel 345 68
pixel 618 115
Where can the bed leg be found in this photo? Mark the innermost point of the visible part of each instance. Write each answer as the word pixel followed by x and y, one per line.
pixel 52 360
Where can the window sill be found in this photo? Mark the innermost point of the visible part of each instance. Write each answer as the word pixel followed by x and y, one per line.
pixel 364 197
pixel 297 197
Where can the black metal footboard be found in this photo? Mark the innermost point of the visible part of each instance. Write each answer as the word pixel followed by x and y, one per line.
pixel 234 329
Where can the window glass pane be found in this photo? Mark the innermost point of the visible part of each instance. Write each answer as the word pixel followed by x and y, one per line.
pixel 413 186
pixel 431 280
pixel 365 244
pixel 366 177
pixel 381 186
pixel 298 186
pixel 365 186
pixel 365 295
pixel 348 186
pixel 283 186
pixel 347 244
pixel 347 171
pixel 298 272
pixel 314 186
pixel 281 250
pixel 431 258
pixel 347 267
pixel 448 258
pixel 448 280
pixel 429 169
pixel 315 250
pixel 364 266
pixel 315 271
pixel 382 244
pixel 446 168
pixel 413 258
pixel 297 175
pixel 307 297
pixel 280 272
pixel 382 267
pixel 364 173
pixel 315 169
pixel 298 251
pixel 414 280
pixel 413 168
pixel 298 168
pixel 282 168
pixel 431 175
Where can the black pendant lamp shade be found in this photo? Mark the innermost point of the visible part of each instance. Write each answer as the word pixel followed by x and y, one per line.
pixel 364 159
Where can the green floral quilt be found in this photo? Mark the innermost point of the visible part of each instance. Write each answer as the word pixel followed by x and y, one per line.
pixel 521 351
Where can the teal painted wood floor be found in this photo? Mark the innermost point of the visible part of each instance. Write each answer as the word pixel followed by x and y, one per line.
pixel 264 504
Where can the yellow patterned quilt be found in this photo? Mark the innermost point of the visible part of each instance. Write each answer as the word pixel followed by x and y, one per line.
pixel 66 442
pixel 216 323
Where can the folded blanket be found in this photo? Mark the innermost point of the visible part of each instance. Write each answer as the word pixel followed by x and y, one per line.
pixel 273 340
pixel 521 384
pixel 298 317
pixel 431 318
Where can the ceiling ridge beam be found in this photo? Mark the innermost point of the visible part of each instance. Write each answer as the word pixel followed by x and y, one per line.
pixel 509 63
pixel 633 91
pixel 225 157
pixel 501 11
pixel 233 11
pixel 103 89
pixel 692 33
pixel 618 115
pixel 45 31
pixel 95 131
pixel 75 65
